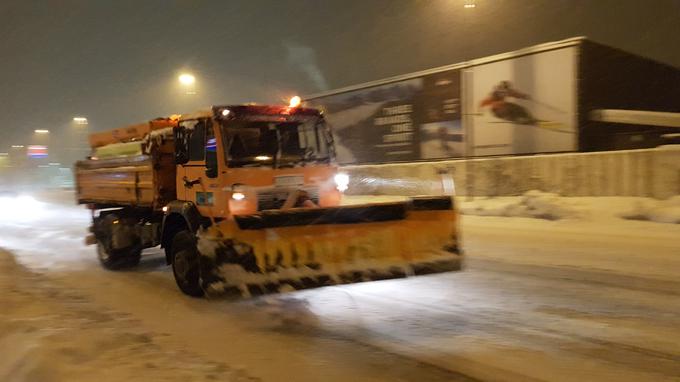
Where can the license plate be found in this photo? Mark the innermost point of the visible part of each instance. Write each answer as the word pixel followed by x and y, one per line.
pixel 289 181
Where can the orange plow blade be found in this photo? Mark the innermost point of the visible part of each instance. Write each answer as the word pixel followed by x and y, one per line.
pixel 279 250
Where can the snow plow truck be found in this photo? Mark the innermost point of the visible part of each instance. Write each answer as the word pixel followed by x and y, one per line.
pixel 247 200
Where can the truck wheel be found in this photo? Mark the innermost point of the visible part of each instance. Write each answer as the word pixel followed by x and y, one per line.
pixel 185 264
pixel 116 260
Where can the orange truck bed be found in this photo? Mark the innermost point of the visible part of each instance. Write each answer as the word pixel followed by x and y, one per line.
pixel 145 180
pixel 129 133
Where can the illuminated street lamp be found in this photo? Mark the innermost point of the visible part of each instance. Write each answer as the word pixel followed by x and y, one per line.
pixel 17 146
pixel 41 131
pixel 80 120
pixel 187 79
pixel 188 82
pixel 469 4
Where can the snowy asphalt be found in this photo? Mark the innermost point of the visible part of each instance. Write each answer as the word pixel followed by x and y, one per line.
pixel 543 301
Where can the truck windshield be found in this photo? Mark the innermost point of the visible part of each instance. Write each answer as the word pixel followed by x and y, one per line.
pixel 253 142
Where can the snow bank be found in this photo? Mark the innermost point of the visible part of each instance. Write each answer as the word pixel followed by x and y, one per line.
pixel 533 204
pixel 660 211
pixel 46 230
pixel 51 333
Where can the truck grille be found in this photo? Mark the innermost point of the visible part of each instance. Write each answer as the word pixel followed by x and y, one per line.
pixel 273 199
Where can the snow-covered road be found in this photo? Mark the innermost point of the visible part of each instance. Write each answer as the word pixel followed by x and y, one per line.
pixel 590 298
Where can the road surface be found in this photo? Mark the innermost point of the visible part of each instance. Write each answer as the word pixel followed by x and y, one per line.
pixel 539 301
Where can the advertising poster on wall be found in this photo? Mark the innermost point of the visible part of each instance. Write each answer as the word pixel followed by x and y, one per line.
pixel 409 120
pixel 440 129
pixel 525 104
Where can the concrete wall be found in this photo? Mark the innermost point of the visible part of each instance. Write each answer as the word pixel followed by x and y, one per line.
pixel 648 172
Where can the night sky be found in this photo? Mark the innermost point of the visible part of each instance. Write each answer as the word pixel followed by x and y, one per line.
pixel 117 62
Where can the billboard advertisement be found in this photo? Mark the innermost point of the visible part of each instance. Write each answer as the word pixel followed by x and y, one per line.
pixel 413 119
pixel 516 105
pixel 524 105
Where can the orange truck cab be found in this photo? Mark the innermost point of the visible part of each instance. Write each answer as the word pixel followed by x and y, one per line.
pixel 242 159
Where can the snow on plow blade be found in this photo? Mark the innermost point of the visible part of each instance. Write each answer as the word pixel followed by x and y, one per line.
pixel 280 250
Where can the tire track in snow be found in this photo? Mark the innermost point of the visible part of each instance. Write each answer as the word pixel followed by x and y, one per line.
pixel 525 330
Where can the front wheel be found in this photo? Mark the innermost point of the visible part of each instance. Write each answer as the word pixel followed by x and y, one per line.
pixel 185 264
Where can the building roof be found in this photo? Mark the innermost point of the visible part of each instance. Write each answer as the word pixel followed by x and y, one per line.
pixel 465 64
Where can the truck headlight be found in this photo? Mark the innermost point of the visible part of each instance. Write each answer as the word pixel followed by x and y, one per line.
pixel 341 181
pixel 238 192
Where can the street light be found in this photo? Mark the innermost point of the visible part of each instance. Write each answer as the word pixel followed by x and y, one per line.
pixel 188 82
pixel 469 4
pixel 41 131
pixel 187 79
pixel 17 146
pixel 80 120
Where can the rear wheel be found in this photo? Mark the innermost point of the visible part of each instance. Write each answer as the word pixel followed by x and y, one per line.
pixel 118 259
pixel 129 252
pixel 185 263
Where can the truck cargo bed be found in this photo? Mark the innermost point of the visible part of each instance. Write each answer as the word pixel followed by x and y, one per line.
pixel 140 180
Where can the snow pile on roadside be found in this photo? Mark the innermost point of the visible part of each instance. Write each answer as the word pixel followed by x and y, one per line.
pixel 660 211
pixel 50 333
pixel 533 204
pixel 46 230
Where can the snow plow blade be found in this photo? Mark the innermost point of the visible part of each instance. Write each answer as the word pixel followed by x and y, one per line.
pixel 281 250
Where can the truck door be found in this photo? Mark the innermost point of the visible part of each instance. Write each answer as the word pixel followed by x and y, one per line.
pixel 197 178
pixel 187 135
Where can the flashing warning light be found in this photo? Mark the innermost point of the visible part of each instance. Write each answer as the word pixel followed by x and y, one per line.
pixel 211 145
pixel 36 151
pixel 295 101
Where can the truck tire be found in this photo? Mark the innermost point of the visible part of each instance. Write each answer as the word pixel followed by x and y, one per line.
pixel 185 263
pixel 117 260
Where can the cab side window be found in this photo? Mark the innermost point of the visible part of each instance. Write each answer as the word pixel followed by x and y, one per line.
pixel 197 141
pixel 210 152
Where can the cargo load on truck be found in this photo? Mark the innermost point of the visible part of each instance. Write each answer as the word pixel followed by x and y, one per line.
pixel 130 167
pixel 248 200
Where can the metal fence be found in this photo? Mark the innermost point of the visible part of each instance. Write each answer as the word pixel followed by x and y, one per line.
pixel 649 172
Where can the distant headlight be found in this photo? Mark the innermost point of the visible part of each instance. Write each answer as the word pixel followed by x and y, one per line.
pixel 341 181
